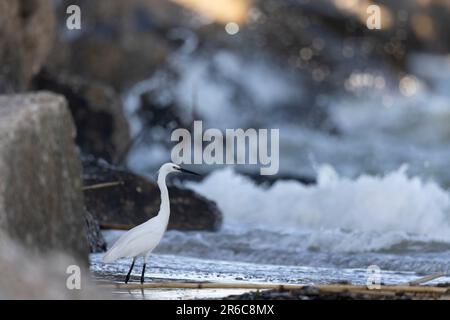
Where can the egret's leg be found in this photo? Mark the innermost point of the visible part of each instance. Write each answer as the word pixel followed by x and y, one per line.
pixel 143 272
pixel 129 272
pixel 145 258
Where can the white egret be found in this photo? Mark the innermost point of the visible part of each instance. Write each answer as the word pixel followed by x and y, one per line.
pixel 142 239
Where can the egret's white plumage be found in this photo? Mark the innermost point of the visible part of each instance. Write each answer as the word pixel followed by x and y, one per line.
pixel 142 239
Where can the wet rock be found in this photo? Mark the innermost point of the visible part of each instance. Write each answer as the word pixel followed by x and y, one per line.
pixel 313 293
pixel 41 201
pixel 323 27
pixel 120 43
pixel 337 32
pixel 95 238
pixel 137 199
pixel 26 37
pixel 265 181
pixel 27 275
pixel 102 129
pixel 270 180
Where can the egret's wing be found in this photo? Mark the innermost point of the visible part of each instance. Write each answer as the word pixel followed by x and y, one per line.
pixel 134 241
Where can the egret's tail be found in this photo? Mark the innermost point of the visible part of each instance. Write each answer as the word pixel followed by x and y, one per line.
pixel 110 256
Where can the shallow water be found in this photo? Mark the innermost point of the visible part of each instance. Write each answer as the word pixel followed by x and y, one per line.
pixel 163 267
pixel 206 256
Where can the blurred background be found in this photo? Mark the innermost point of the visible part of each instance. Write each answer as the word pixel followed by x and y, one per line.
pixel 363 116
pixel 361 100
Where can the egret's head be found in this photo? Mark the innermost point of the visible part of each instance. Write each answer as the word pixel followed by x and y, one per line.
pixel 172 167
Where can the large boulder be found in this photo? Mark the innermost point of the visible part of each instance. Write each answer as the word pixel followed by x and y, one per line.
pixel 130 200
pixel 26 38
pixel 102 129
pixel 41 199
pixel 28 275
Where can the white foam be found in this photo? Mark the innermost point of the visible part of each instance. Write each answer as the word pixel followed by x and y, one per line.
pixel 366 213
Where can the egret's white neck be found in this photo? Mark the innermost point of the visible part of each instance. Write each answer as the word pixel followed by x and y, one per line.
pixel 164 210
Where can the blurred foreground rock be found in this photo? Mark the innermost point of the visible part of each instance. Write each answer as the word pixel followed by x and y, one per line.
pixel 26 38
pixel 102 129
pixel 41 200
pixel 27 275
pixel 137 199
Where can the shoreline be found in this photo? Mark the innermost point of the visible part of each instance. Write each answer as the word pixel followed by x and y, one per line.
pixel 184 290
pixel 175 277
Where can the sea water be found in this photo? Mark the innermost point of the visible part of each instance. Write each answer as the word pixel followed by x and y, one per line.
pixel 306 234
pixel 381 196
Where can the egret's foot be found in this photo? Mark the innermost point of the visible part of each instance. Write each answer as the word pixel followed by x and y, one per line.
pixel 142 275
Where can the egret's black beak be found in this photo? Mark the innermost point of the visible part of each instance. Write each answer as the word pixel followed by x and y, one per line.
pixel 187 171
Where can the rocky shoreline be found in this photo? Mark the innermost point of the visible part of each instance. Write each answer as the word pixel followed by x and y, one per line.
pixel 314 293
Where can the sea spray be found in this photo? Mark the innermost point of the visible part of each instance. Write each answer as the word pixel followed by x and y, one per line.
pixel 393 205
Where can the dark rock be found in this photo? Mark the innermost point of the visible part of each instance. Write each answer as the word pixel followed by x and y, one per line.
pixel 158 119
pixel 102 129
pixel 94 236
pixel 270 180
pixel 160 115
pixel 256 178
pixel 120 43
pixel 313 293
pixel 26 37
pixel 41 200
pixel 137 199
